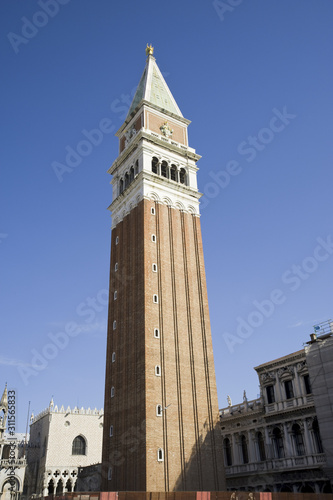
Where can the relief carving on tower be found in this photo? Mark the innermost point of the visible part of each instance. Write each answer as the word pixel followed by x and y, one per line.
pixel 166 130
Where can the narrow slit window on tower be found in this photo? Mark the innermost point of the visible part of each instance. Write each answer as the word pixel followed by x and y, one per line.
pixel 159 410
pixel 113 357
pixel 112 392
pixel 152 210
pixel 110 473
pixel 160 455
pixel 115 295
pixel 156 333
pixel 136 167
pixel 116 266
pixel 111 430
pixel 155 298
pixel 155 268
pixel 153 238
pixel 117 240
pixel 114 324
pixel 157 370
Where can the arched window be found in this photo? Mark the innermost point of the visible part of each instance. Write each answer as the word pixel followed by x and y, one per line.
pixel 160 455
pixel 227 452
pixel 60 487
pixel 157 371
pixel 298 440
pixel 126 180
pixel 261 447
pixel 164 169
pixel 132 174
pixel 51 487
pixel 173 173
pixel 278 443
pixel 79 446
pixel 245 455
pixel 159 410
pixel 136 171
pixel 121 186
pixel 154 165
pixel 182 176
pixel 113 357
pixel 316 437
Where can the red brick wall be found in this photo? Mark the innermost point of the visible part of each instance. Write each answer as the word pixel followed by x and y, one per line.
pixel 188 431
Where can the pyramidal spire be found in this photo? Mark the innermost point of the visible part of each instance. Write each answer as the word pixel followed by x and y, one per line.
pixel 153 89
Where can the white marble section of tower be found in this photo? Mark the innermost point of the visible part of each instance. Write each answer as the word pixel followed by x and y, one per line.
pixel 155 161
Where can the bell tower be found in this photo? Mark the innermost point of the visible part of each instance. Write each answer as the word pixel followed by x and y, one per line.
pixel 161 423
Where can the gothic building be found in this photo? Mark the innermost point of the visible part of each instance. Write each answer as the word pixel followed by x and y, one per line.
pixel 161 429
pixel 62 441
pixel 282 441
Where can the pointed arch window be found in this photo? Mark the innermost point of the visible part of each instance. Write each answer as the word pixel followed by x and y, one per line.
pixel 121 186
pixel 79 446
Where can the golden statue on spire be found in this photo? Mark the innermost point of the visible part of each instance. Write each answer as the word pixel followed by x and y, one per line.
pixel 149 50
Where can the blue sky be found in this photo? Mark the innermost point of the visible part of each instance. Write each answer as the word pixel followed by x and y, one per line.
pixel 255 78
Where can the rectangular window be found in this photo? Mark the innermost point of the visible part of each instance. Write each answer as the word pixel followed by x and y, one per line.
pixel 115 295
pixel 307 384
pixel 113 357
pixel 288 385
pixel 116 266
pixel 117 240
pixel 111 430
pixel 157 371
pixel 152 211
pixel 114 324
pixel 270 394
pixel 110 473
pixel 155 299
pixel 160 455
pixel 154 268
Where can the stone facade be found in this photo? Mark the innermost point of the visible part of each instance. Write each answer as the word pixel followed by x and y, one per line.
pixel 61 441
pixel 277 442
pixel 161 413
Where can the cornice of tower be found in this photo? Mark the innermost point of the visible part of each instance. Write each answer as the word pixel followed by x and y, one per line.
pixel 153 138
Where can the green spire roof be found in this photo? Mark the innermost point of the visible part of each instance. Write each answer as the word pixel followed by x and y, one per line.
pixel 153 88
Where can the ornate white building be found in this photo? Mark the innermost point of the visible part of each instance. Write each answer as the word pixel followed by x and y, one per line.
pixel 12 448
pixel 62 441
pixel 274 443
